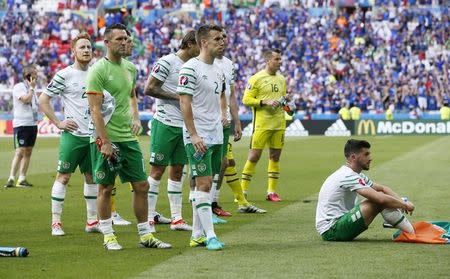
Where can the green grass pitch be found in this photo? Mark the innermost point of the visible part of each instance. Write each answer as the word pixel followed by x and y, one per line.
pixel 280 244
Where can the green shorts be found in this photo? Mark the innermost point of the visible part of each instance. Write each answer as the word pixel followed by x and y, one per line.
pixel 226 138
pixel 73 152
pixel 209 164
pixel 166 145
pixel 347 227
pixel 132 169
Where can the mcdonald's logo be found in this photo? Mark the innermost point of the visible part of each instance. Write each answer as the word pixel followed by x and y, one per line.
pixel 366 127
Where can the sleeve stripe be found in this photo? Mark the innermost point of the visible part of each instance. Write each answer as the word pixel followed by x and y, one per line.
pixel 164 71
pixel 186 87
pixel 184 93
pixel 186 68
pixel 164 67
pixel 59 82
pixel 94 92
pixel 162 60
pixel 60 77
pixel 189 75
pixel 52 91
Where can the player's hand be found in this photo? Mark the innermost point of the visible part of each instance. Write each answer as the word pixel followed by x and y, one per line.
pixel 271 103
pixel 237 131
pixel 198 144
pixel 409 207
pixel 106 150
pixel 32 82
pixel 67 125
pixel 136 127
pixel 225 122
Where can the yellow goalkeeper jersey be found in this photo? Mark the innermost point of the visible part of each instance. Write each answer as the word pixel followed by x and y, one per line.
pixel 263 86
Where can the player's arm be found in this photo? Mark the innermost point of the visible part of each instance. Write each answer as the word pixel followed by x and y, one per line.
pixel 235 114
pixel 224 107
pixel 135 121
pixel 46 107
pixel 251 96
pixel 153 89
pixel 188 118
pixel 385 200
pixel 26 98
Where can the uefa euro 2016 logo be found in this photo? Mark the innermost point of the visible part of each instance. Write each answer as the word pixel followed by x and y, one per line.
pixel 183 80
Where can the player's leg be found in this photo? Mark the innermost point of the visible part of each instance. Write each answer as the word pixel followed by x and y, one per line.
pixel 117 219
pixel 71 151
pixel 202 171
pixel 90 191
pixel 258 141
pixel 353 223
pixel 29 136
pixel 276 143
pixel 198 237
pixel 15 161
pixel 175 194
pixel 133 171
pixel 105 179
pixel 217 183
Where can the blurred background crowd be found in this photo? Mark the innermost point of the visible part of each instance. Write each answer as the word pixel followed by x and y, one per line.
pixel 374 54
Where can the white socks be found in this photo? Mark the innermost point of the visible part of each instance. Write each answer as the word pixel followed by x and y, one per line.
pixel 90 196
pixel 58 195
pixel 106 226
pixel 202 205
pixel 213 190
pixel 174 192
pixel 144 228
pixel 397 219
pixel 152 197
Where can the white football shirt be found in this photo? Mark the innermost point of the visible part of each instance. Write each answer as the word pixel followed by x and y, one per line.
pixel 204 82
pixel 24 114
pixel 166 70
pixel 227 67
pixel 337 196
pixel 70 84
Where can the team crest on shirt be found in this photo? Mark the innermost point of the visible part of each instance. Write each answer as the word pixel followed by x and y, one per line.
pixel 155 68
pixel 184 80
pixel 362 182
pixel 201 167
pixel 100 174
pixel 159 156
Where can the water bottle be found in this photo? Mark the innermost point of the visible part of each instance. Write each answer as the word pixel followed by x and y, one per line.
pixel 13 252
pixel 198 155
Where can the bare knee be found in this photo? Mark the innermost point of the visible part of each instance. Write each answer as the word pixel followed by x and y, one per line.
pixel 63 178
pixel 88 178
pixel 274 154
pixel 140 188
pixel 369 211
pixel 157 172
pixel 176 172
pixel 231 163
pixel 254 155
pixel 104 190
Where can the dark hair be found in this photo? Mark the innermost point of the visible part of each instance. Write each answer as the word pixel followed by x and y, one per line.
pixel 203 32
pixel 189 38
pixel 268 52
pixel 28 71
pixel 119 26
pixel 80 36
pixel 355 146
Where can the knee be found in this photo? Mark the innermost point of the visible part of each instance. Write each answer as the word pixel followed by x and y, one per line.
pixel 157 172
pixel 105 191
pixel 176 172
pixel 231 163
pixel 254 157
pixel 63 178
pixel 88 178
pixel 140 187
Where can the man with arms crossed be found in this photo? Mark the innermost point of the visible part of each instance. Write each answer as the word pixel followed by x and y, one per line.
pixel 338 217
pixel 166 139
pixel 201 100
pixel 116 149
pixel 70 84
pixel 25 110
pixel 264 91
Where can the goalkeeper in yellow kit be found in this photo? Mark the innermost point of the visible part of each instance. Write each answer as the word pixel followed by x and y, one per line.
pixel 265 94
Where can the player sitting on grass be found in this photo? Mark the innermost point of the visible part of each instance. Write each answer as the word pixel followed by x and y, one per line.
pixel 338 217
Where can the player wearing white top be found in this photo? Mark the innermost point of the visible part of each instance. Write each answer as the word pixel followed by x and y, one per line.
pixel 166 139
pixel 228 167
pixel 25 109
pixel 203 105
pixel 338 217
pixel 74 149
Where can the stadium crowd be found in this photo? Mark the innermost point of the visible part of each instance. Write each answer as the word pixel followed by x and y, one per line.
pixel 394 54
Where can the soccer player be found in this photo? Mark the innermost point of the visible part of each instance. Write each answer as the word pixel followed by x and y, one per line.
pixel 228 167
pixel 263 94
pixel 166 139
pixel 201 88
pixel 114 146
pixel 25 111
pixel 338 216
pixel 70 85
